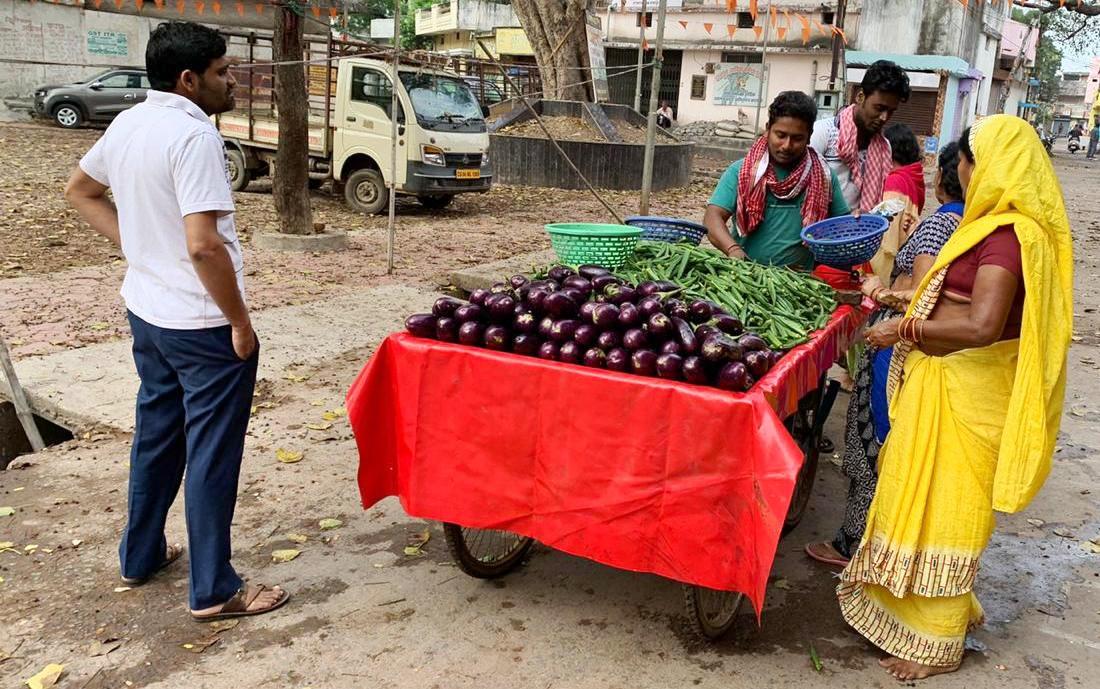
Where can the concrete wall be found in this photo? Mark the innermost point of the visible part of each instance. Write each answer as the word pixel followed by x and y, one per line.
pixel 786 72
pixel 985 61
pixel 464 15
pixel 890 26
pixel 1094 82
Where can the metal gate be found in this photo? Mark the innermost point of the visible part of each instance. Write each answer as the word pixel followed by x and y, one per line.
pixel 621 80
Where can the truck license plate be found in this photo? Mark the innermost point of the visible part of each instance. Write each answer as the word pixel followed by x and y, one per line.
pixel 468 174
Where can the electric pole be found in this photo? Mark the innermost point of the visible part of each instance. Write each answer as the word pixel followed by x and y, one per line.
pixel 651 120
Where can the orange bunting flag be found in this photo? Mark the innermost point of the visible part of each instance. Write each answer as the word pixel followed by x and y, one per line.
pixel 731 6
pixel 159 4
pixel 753 9
pixel 216 6
pixel 240 9
pixel 179 6
pixel 118 4
pixel 782 32
pixel 645 45
pixel 775 19
pixel 805 28
pixel 97 3
pixel 200 6
pixel 707 26
pixel 259 8
pixel 683 24
pixel 1061 3
pixel 332 12
pixel 840 33
pixel 821 28
pixel 731 29
pixel 316 9
pixel 140 4
pixel 759 30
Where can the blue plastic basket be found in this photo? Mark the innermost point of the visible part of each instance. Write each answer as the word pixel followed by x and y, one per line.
pixel 659 229
pixel 845 241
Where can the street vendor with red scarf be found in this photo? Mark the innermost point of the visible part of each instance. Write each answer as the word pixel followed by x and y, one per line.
pixel 781 186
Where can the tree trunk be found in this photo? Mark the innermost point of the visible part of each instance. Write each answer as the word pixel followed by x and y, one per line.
pixel 291 183
pixel 558 36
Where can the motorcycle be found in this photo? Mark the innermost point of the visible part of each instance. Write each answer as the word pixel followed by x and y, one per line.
pixel 1048 142
pixel 1074 144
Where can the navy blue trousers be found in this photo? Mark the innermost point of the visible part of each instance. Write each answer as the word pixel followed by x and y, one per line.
pixel 192 413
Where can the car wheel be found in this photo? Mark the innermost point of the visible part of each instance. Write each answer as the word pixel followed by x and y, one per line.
pixel 365 191
pixel 68 116
pixel 239 174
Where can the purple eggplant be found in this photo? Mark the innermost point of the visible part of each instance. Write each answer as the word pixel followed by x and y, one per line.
pixel 575 294
pixel 479 295
pixel 600 282
pixel 577 282
pixel 621 294
pixel 563 330
pixel 629 316
pixel 546 325
pixel 521 309
pixel 685 334
pixel 560 305
pixel 758 363
pixel 548 351
pixel 644 362
pixel 535 298
pixel 518 281
pixel 752 343
pixel 670 366
pixel 734 377
pixel 608 339
pixel 471 333
pixel 719 348
pixel 590 271
pixel 421 324
pixel 446 306
pixel 618 359
pixel 570 353
pixel 695 370
pixel 670 347
pixel 559 273
pixel 728 324
pixel 500 307
pixel 775 357
pixel 701 311
pixel 446 329
pixel 704 331
pixel 526 344
pixel 586 310
pixel 677 309
pixel 659 326
pixel 469 312
pixel 634 339
pixel 526 323
pixel 497 337
pixel 585 335
pixel 647 288
pixel 595 357
pixel 605 316
pixel 649 306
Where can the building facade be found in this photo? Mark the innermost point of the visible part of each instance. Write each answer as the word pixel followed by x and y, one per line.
pixel 456 26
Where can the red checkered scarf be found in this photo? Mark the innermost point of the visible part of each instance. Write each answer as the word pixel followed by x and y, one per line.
pixel 871 176
pixel 757 179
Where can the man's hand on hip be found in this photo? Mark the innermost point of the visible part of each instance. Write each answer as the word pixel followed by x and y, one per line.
pixel 244 341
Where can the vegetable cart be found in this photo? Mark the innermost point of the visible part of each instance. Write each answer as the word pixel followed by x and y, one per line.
pixel 689 482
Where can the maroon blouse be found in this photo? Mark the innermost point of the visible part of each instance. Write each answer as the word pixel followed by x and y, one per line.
pixel 1001 248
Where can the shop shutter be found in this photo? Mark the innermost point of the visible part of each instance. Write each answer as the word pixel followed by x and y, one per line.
pixel 919 112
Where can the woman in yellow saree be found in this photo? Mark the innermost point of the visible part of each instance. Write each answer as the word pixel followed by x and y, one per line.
pixel 976 389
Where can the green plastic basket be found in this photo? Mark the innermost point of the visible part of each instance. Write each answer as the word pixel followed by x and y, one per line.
pixel 577 243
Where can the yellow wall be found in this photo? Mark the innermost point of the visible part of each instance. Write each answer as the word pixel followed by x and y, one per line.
pixel 512 42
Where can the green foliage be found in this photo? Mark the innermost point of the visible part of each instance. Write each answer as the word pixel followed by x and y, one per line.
pixel 1048 56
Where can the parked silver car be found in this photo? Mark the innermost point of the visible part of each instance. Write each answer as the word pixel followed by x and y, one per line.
pixel 97 99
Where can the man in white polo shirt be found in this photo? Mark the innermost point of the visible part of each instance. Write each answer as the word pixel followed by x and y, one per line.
pixel 194 347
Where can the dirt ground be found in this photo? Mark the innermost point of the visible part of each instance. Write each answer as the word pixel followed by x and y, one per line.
pixel 577 129
pixel 45 249
pixel 365 613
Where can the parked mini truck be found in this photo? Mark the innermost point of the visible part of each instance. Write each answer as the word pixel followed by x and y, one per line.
pixel 442 146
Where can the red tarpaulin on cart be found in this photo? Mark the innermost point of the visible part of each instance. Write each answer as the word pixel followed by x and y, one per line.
pixel 684 481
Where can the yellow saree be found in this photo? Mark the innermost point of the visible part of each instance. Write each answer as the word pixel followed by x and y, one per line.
pixel 973 431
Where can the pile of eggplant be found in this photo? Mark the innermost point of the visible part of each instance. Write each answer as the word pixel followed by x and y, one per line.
pixel 592 317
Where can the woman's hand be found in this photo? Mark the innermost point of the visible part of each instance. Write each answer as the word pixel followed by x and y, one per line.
pixel 870 284
pixel 884 334
pixel 895 299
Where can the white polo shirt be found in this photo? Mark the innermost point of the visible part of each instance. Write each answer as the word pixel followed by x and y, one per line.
pixel 164 159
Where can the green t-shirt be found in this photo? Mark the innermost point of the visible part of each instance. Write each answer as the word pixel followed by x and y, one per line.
pixel 778 238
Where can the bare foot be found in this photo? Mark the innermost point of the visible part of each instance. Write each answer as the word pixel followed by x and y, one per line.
pixel 907 670
pixel 254 599
pixel 826 553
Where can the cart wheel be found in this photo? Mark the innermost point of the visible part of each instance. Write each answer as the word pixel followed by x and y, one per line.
pixel 801 426
pixel 712 613
pixel 485 553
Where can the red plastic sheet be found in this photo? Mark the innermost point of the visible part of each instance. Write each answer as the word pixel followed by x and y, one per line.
pixel 688 482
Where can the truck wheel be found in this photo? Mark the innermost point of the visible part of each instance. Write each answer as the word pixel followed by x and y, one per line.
pixel 436 202
pixel 68 116
pixel 239 174
pixel 365 191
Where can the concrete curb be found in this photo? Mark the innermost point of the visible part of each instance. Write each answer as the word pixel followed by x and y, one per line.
pixel 322 242
pixel 486 275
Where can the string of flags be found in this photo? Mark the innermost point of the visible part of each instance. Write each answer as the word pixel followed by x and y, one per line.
pixel 207 7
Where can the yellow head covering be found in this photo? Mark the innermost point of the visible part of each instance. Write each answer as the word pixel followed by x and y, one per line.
pixel 1013 183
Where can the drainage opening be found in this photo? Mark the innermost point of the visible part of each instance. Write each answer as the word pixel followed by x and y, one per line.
pixel 14 442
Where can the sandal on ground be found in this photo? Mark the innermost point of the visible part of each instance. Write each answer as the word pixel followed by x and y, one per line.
pixel 171 554
pixel 237 606
pixel 826 553
pixel 825 445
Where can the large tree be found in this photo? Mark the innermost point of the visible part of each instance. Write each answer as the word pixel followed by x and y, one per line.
pixel 1072 24
pixel 291 184
pixel 558 36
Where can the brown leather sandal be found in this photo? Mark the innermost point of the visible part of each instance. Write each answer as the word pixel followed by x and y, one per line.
pixel 237 606
pixel 171 554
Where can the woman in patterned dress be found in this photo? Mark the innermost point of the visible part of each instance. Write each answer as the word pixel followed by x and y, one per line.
pixel 861 441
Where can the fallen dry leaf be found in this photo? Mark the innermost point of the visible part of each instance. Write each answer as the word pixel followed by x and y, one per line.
pixel 330 523
pixel 288 456
pixel 223 625
pixel 102 648
pixel 294 378
pixel 7 511
pixel 1036 522
pixel 1091 547
pixel 122 589
pixel 1064 533
pixel 200 645
pixel 285 555
pixel 297 537
pixel 47 677
pixel 782 584
pixel 415 545
pixel 319 426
